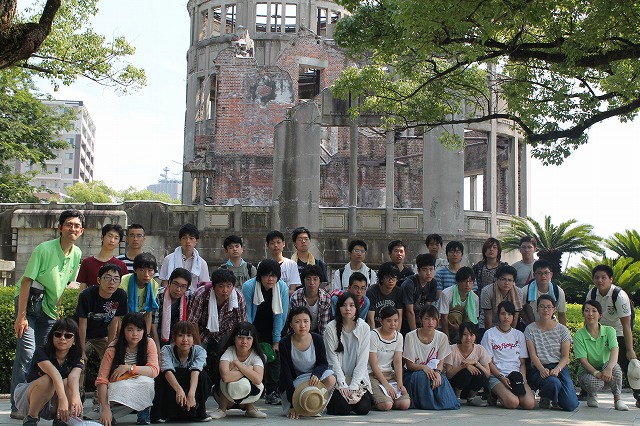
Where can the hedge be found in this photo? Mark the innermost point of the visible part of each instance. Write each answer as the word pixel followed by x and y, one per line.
pixel 70 299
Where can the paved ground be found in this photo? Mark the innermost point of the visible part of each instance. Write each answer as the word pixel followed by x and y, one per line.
pixel 605 415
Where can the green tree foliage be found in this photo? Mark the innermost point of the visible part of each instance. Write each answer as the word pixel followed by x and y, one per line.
pixel 92 192
pixel 51 40
pixel 132 194
pixel 552 241
pixel 626 274
pixel 626 244
pixel 562 65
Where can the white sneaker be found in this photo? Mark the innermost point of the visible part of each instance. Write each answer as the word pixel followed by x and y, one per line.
pixel 218 414
pixel 621 406
pixel 592 401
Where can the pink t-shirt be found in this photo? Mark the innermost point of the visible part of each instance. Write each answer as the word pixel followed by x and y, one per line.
pixel 478 354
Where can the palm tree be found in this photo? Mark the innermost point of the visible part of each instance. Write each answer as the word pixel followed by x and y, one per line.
pixel 625 244
pixel 552 241
pixel 626 274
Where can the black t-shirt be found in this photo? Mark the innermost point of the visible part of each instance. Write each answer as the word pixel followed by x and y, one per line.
pixel 414 294
pixel 378 300
pixel 98 311
pixel 320 263
pixel 40 355
pixel 264 316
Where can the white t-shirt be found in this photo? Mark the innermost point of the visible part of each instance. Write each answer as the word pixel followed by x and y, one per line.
pixel 506 349
pixel 289 272
pixel 426 354
pixel 611 314
pixel 253 358
pixel 385 349
pixel 446 298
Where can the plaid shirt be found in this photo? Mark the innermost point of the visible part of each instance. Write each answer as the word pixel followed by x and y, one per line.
pixel 199 314
pixel 156 315
pixel 324 309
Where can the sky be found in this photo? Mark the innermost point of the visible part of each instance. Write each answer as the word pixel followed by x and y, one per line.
pixel 598 184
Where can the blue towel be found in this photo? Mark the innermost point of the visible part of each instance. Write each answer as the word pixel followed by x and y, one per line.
pixel 150 303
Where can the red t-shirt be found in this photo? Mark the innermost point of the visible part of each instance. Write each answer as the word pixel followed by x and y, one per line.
pixel 90 266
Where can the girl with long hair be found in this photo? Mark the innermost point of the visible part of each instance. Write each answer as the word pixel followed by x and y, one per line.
pixel 52 387
pixel 385 363
pixel 125 379
pixel 347 343
pixel 241 369
pixel 303 358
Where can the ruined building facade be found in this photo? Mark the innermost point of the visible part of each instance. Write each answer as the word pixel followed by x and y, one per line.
pixel 261 129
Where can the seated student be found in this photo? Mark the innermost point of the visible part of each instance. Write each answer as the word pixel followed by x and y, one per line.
pixel 142 289
pixel 303 363
pixel 446 277
pixel 186 256
pixel 314 298
pixel 241 370
pixel 288 268
pixel 357 287
pixel 347 343
pixel 301 241
pixel 397 253
pixel 125 379
pixel 242 270
pixel 89 267
pixel 100 310
pixel 357 253
pixel 173 306
pixel 182 388
pixel 485 270
pixel 459 304
pixel 384 293
pixel 217 308
pixel 418 291
pixel 549 344
pixel 503 289
pixel 508 351
pixel 267 299
pixel 385 363
pixel 468 365
pixel 536 288
pixel 434 244
pixel 51 390
pixel 425 349
pixel 596 347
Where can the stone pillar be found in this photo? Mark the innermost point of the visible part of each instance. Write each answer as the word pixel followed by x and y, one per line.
pixel 491 177
pixel 473 192
pixel 443 185
pixel 296 176
pixel 353 178
pixel 189 126
pixel 389 181
pixel 525 179
pixel 514 150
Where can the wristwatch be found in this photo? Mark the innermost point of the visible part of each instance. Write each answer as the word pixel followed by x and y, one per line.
pixel 131 368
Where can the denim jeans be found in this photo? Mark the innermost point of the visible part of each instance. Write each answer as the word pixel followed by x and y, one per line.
pixel 34 336
pixel 558 389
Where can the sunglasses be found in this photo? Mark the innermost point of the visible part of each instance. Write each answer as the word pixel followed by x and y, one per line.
pixel 60 334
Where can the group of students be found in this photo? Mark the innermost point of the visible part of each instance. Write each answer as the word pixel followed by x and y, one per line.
pixel 373 341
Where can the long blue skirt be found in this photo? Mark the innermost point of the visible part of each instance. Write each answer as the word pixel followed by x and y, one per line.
pixel 423 397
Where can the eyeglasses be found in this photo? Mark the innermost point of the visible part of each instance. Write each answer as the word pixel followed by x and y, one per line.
pixel 110 278
pixel 302 240
pixel 70 225
pixel 60 335
pixel 358 251
pixel 179 286
pixel 545 307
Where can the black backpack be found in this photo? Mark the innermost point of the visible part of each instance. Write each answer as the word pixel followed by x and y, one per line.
pixel 614 297
pixel 342 272
pixel 249 268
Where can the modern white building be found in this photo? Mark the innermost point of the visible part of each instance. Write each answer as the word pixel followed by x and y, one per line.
pixel 72 164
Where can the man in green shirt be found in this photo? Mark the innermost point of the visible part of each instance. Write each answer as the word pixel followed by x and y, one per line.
pixel 52 265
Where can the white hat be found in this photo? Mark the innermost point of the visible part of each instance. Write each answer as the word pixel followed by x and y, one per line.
pixel 310 400
pixel 633 374
pixel 241 391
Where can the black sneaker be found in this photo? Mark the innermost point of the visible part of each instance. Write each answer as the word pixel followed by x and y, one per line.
pixel 58 422
pixel 273 398
pixel 30 421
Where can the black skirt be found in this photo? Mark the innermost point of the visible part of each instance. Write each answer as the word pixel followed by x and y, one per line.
pixel 164 403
